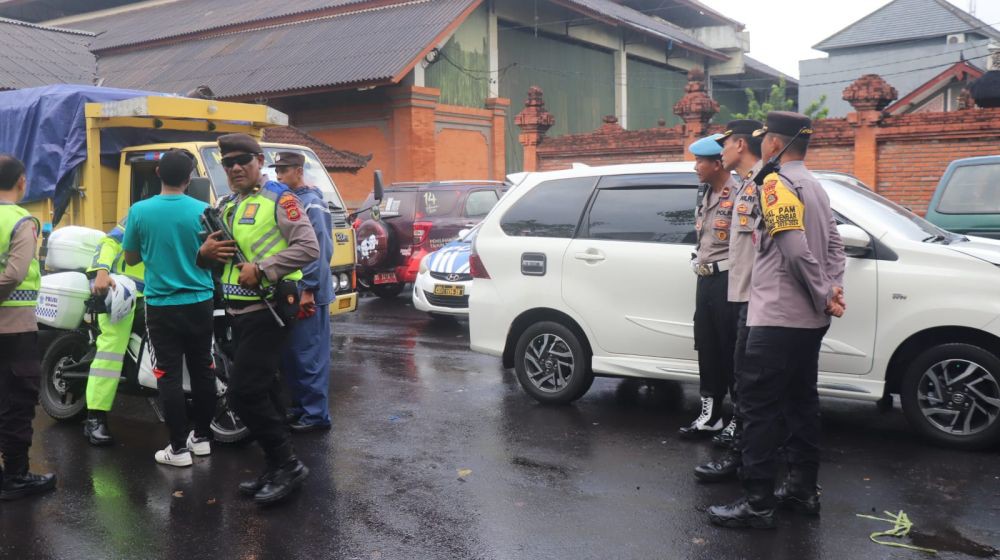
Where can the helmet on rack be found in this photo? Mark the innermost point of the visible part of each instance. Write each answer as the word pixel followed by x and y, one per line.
pixel 121 297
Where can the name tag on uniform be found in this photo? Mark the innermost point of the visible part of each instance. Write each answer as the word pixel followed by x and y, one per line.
pixel 249 213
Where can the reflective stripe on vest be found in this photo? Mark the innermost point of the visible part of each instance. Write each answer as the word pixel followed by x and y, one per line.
pixel 26 293
pixel 254 225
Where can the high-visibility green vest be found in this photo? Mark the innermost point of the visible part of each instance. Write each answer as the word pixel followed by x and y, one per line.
pixel 254 224
pixel 111 257
pixel 26 293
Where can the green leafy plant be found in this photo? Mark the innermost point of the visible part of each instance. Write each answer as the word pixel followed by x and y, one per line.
pixel 777 100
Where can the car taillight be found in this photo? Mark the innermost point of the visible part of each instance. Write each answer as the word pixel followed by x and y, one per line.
pixel 476 267
pixel 421 231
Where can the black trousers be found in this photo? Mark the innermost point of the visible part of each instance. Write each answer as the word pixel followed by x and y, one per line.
pixel 255 388
pixel 739 355
pixel 179 333
pixel 778 400
pixel 20 373
pixel 714 335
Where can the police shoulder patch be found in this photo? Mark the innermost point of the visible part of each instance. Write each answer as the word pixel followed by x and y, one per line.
pixel 290 204
pixel 783 210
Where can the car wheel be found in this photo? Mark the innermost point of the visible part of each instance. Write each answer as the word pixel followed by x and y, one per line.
pixel 387 291
pixel 376 244
pixel 951 394
pixel 551 363
pixel 63 399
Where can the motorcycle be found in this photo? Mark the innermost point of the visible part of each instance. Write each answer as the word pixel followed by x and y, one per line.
pixel 68 353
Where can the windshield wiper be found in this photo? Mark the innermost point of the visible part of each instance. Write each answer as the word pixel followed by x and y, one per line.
pixel 936 238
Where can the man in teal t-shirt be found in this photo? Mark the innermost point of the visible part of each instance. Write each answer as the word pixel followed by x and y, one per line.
pixel 164 233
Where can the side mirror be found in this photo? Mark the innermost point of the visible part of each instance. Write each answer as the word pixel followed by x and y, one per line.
pixel 857 242
pixel 379 189
pixel 200 188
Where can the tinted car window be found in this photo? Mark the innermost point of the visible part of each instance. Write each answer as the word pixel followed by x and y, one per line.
pixel 972 189
pixel 480 203
pixel 651 214
pixel 436 202
pixel 551 209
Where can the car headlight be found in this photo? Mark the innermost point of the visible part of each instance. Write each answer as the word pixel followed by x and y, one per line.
pixel 423 265
pixel 344 281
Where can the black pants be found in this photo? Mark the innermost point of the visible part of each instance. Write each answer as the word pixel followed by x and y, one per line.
pixel 179 333
pixel 739 355
pixel 255 389
pixel 778 401
pixel 714 335
pixel 20 373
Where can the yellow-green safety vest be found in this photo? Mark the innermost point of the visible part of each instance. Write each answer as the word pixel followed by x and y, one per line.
pixel 254 224
pixel 111 257
pixel 26 293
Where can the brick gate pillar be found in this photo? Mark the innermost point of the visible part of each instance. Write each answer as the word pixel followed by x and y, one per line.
pixel 869 94
pixel 696 108
pixel 534 121
pixel 414 142
pixel 498 164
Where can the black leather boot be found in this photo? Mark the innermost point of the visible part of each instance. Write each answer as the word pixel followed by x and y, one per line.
pixel 799 492
pixel 721 469
pixel 755 510
pixel 285 480
pixel 708 423
pixel 727 436
pixel 250 488
pixel 19 483
pixel 96 429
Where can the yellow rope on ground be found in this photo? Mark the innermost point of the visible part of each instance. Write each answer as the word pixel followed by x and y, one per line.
pixel 901 528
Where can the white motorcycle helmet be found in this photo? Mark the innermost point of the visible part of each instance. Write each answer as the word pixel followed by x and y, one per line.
pixel 120 298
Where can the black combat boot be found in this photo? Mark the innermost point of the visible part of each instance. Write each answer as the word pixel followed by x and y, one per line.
pixel 719 470
pixel 282 482
pixel 96 429
pixel 19 483
pixel 799 491
pixel 725 438
pixel 707 424
pixel 250 488
pixel 755 510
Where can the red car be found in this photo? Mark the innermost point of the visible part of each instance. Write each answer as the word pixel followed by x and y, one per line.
pixel 412 220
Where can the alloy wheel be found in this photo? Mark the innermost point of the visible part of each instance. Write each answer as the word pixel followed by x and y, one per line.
pixel 549 363
pixel 959 397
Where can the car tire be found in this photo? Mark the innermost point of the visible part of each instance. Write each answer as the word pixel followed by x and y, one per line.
pixel 376 241
pixel 63 400
pixel 387 291
pixel 551 363
pixel 949 393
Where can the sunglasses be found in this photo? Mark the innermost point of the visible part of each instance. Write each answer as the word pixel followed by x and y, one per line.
pixel 241 160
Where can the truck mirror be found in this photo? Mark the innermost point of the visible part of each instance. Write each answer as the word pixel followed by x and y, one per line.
pixel 378 185
pixel 200 188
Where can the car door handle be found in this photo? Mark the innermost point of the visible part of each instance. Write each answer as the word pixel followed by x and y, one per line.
pixel 590 256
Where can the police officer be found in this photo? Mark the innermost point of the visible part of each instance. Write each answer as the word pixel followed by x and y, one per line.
pixel 795 287
pixel 106 369
pixel 714 317
pixel 740 154
pixel 306 363
pixel 277 238
pixel 20 279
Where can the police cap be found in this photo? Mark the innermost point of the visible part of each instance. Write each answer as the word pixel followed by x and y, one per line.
pixel 707 147
pixel 288 159
pixel 786 123
pixel 741 126
pixel 238 142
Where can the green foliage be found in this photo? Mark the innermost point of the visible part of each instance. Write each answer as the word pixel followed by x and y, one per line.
pixel 777 100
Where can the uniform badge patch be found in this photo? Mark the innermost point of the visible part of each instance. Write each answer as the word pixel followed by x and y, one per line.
pixel 721 234
pixel 750 190
pixel 744 220
pixel 727 204
pixel 784 210
pixel 742 208
pixel 249 213
pixel 291 206
pixel 721 224
pixel 724 193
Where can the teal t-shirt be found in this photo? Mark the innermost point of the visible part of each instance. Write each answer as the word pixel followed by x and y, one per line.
pixel 166 231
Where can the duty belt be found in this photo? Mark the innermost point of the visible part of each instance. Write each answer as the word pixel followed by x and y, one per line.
pixel 237 290
pixel 708 269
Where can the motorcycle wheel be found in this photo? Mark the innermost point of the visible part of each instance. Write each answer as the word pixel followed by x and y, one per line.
pixel 63 400
pixel 226 425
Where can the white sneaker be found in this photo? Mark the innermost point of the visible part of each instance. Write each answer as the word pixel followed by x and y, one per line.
pixel 167 456
pixel 199 446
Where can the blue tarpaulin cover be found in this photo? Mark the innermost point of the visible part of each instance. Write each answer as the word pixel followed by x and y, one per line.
pixel 45 128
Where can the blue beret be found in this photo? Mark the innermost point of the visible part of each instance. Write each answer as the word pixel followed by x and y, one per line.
pixel 707 147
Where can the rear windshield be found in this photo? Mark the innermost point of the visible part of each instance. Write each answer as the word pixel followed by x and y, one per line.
pixel 416 204
pixel 972 189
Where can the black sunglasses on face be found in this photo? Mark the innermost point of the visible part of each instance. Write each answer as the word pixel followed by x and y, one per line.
pixel 241 160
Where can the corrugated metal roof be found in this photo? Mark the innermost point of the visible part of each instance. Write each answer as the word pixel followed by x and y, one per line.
pixel 903 20
pixel 332 158
pixel 760 67
pixel 356 48
pixel 191 16
pixel 34 55
pixel 643 23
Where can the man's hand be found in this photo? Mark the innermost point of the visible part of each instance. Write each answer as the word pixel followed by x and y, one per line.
pixel 307 304
pixel 102 283
pixel 214 249
pixel 837 304
pixel 250 275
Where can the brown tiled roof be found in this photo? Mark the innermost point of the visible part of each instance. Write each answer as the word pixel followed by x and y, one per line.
pixel 333 159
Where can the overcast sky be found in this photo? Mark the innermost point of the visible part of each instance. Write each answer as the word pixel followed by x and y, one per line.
pixel 782 32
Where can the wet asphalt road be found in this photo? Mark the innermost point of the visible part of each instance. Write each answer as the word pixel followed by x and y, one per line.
pixel 437 453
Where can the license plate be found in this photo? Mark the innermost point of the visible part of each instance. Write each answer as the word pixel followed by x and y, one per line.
pixel 385 278
pixel 453 291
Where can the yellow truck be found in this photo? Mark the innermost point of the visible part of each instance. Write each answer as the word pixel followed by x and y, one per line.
pixel 111 141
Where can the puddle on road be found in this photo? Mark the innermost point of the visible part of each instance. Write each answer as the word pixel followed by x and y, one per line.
pixel 950 540
pixel 545 467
